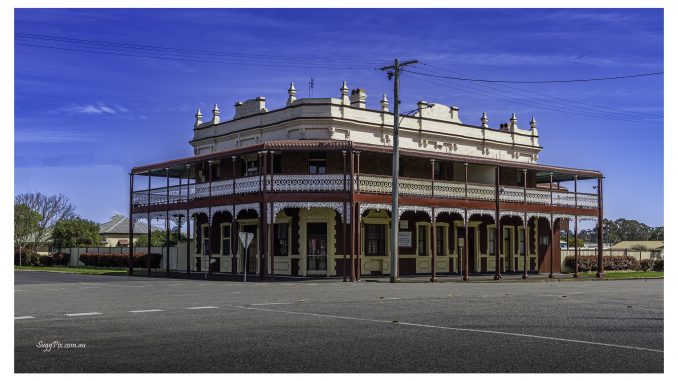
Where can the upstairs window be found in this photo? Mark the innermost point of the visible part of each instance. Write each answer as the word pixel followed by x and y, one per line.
pixel 251 168
pixel 317 162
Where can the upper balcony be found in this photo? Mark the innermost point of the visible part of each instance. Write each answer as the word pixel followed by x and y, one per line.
pixel 362 183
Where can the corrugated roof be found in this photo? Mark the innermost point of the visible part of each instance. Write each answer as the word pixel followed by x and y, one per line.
pixel 119 224
pixel 652 245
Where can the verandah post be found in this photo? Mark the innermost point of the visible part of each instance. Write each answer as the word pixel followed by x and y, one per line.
pixel 497 246
pixel 525 238
pixel 131 224
pixel 601 270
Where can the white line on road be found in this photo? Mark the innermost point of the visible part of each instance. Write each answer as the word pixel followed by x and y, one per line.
pixel 23 317
pixel 144 311
pixel 201 308
pixel 267 304
pixel 85 314
pixel 457 329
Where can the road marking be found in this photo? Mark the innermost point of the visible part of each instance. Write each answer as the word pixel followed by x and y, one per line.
pixel 458 329
pixel 387 299
pixel 267 304
pixel 647 309
pixel 85 314
pixel 23 317
pixel 19 290
pixel 133 286
pixel 144 311
pixel 201 308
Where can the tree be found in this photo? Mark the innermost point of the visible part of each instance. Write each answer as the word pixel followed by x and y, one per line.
pixel 159 238
pixel 26 223
pixel 51 209
pixel 75 232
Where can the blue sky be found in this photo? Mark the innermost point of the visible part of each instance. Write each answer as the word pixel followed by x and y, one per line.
pixel 82 119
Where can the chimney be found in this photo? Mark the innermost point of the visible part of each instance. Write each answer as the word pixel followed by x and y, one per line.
pixel 261 103
pixel 215 114
pixel 384 104
pixel 454 113
pixel 358 98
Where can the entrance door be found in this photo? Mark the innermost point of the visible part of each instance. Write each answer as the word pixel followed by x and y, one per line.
pixel 253 250
pixel 316 248
pixel 471 241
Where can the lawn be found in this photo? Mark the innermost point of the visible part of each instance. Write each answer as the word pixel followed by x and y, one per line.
pixel 74 270
pixel 626 274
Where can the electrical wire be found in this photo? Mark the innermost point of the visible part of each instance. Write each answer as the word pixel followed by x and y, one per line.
pixel 594 107
pixel 536 82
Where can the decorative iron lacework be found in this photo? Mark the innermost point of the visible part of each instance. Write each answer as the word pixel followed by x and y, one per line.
pixel 366 206
pixel 549 217
pixel 222 188
pixel 308 183
pixel 374 184
pixel 448 190
pixel 338 206
pixel 221 208
pixel 512 213
pixel 511 194
pixel 241 207
pixel 587 201
pixel 247 185
pixel 204 211
pixel 437 211
pixel 414 208
pixel 481 192
pixel 480 212
pixel 586 218
pixel 538 197
pixel 414 187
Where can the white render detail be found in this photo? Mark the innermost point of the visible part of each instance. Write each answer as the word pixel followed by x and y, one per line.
pixel 434 128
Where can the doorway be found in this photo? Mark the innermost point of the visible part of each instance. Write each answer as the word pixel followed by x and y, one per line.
pixel 471 242
pixel 253 251
pixel 316 248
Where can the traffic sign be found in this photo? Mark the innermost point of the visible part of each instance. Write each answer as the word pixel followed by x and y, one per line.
pixel 246 238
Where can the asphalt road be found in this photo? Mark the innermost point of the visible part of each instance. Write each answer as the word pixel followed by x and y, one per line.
pixel 172 325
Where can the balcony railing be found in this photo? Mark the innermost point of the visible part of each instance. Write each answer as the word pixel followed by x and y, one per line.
pixel 364 184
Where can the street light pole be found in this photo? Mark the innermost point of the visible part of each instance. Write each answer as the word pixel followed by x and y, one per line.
pixel 394 72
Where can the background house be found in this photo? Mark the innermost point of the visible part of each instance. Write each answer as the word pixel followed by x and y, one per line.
pixel 115 233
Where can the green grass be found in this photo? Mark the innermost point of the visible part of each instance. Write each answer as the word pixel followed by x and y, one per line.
pixel 626 274
pixel 74 270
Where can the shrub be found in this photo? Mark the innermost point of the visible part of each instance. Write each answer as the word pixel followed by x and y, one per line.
pixel 646 264
pixel 119 260
pixel 46 260
pixel 658 265
pixel 28 257
pixel 61 259
pixel 590 262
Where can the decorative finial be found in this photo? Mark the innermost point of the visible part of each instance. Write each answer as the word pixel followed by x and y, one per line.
pixel 384 103
pixel 533 123
pixel 198 117
pixel 484 120
pixel 215 114
pixel 514 120
pixel 292 94
pixel 344 89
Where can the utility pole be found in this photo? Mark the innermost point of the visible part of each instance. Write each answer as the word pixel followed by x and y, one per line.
pixel 394 72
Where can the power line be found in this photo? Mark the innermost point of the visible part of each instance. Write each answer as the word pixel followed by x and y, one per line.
pixel 128 46
pixel 553 108
pixel 256 63
pixel 592 106
pixel 624 115
pixel 535 82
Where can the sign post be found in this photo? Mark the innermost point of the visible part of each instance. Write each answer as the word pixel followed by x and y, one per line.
pixel 245 239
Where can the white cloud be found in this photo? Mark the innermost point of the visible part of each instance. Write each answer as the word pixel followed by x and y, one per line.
pixel 98 108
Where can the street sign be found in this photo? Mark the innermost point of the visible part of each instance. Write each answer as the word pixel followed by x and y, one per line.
pixel 246 238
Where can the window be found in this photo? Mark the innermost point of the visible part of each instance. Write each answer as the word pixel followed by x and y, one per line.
pixel 440 239
pixel 490 235
pixel 507 241
pixel 206 240
pixel 226 239
pixel 422 240
pixel 251 168
pixel 375 239
pixel 437 170
pixel 316 162
pixel 281 244
pixel 521 243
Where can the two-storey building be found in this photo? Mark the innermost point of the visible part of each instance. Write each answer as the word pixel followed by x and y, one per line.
pixel 312 181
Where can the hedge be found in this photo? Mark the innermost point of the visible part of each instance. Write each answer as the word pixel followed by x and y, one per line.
pixel 119 260
pixel 590 263
pixel 658 265
pixel 646 264
pixel 28 257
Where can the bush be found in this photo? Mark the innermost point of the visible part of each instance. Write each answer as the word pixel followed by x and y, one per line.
pixel 119 260
pixel 647 264
pixel 61 259
pixel 46 260
pixel 658 265
pixel 28 257
pixel 590 263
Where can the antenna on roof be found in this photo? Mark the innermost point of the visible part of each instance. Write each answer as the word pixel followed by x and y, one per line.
pixel 311 85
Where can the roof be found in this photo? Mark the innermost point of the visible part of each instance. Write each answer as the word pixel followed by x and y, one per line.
pixel 652 245
pixel 119 224
pixel 176 167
